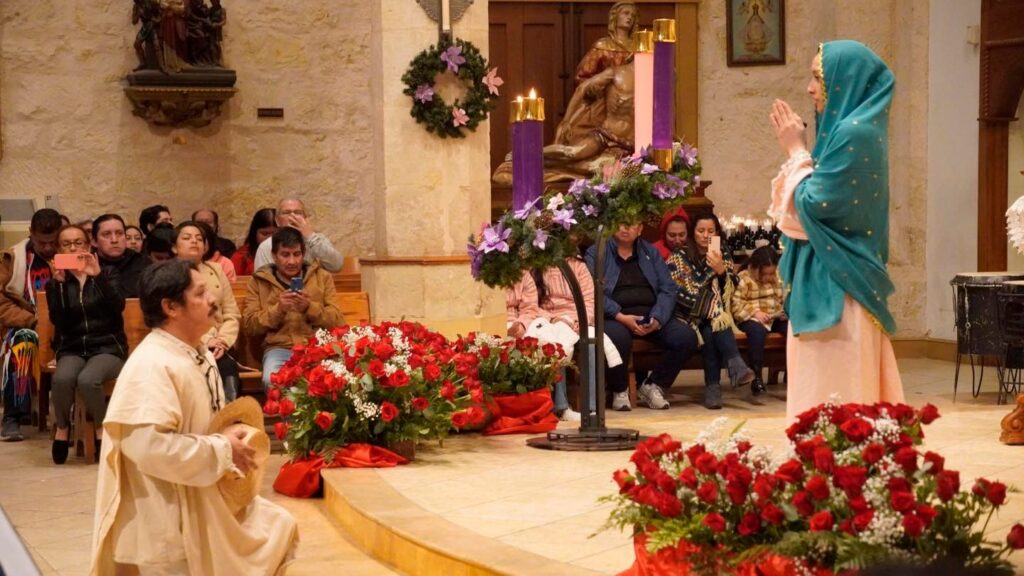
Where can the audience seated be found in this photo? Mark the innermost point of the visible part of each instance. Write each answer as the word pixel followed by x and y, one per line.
pixel 546 294
pixel 133 238
pixel 225 247
pixel 639 299
pixel 88 334
pixel 672 232
pixel 121 266
pixel 153 215
pixel 705 285
pixel 159 244
pixel 24 270
pixel 262 227
pixel 287 301
pixel 757 306
pixel 292 213
pixel 190 244
pixel 85 225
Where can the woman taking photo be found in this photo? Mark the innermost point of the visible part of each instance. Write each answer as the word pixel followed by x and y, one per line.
pixel 190 244
pixel 88 336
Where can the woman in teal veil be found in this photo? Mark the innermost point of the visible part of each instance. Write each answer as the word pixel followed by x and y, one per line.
pixel 832 205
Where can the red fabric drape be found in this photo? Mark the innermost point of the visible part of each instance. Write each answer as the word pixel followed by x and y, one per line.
pixel 528 413
pixel 675 562
pixel 300 478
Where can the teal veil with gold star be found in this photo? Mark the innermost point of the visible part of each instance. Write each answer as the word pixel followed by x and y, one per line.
pixel 844 204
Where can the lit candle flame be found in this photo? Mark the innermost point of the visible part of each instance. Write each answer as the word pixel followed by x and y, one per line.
pixel 519 99
pixel 533 94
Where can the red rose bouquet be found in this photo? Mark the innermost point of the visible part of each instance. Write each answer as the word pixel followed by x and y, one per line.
pixel 380 384
pixel 855 491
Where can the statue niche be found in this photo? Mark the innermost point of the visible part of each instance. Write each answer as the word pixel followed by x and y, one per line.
pixel 181 78
pixel 598 124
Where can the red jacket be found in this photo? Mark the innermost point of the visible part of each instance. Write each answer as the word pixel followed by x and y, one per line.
pixel 668 217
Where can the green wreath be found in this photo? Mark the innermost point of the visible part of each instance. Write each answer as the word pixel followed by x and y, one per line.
pixel 465 61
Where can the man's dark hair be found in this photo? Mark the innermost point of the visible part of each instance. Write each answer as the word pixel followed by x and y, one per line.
pixel 161 239
pixel 45 221
pixel 287 237
pixel 762 258
pixel 163 280
pixel 104 218
pixel 149 216
pixel 216 217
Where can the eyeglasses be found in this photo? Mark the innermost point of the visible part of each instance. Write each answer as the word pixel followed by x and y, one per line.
pixel 292 212
pixel 73 244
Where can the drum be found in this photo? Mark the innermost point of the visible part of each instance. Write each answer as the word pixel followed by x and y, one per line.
pixel 1011 330
pixel 976 310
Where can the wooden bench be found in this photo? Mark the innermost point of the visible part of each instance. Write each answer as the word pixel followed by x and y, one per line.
pixel 355 307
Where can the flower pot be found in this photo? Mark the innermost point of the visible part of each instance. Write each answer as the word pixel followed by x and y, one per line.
pixel 404 448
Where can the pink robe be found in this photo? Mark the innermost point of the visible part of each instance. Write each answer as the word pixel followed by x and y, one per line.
pixel 852 360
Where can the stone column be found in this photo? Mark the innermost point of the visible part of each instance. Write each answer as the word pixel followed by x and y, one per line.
pixel 429 193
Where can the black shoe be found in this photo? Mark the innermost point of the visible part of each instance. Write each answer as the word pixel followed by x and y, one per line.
pixel 59 451
pixel 757 386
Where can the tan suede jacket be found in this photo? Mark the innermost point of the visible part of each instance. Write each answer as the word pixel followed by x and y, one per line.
pixel 280 329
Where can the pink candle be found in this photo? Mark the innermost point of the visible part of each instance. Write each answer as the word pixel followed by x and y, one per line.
pixel 643 87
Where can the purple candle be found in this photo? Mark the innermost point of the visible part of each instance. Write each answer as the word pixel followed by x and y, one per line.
pixel 664 83
pixel 527 150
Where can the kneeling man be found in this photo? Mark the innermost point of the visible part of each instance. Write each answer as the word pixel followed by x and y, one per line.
pixel 158 507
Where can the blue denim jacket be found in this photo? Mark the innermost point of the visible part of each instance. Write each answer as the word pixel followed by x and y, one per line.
pixel 654 270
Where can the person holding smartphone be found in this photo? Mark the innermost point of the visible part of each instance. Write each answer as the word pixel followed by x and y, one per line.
pixel 291 213
pixel 288 301
pixel 704 274
pixel 88 337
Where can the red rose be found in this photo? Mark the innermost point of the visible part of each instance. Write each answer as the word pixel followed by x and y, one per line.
pixel 624 479
pixel 804 504
pixel 286 407
pixel 906 458
pixel 460 419
pixel 398 379
pixel 996 493
pixel 805 448
pixel 689 478
pixel 863 520
pixel 743 446
pixel 850 479
pixel 902 501
pixel 383 350
pixel 503 357
pixel 708 492
pixel 817 486
pixel 693 452
pixel 706 463
pixel 668 505
pixel 715 521
pixel 926 513
pixel 448 390
pixel 947 484
pixel 485 352
pixel 324 420
pixel 859 504
pixel 388 411
pixel 898 484
pixel 274 393
pixel 929 414
pixel 937 462
pixel 821 522
pixel 772 514
pixel 763 487
pixel 736 491
pixel 375 368
pixel 913 525
pixel 431 371
pixel 476 395
pixel 549 349
pixel 857 429
pixel 1016 537
pixel 271 408
pixel 420 403
pixel 749 524
pixel 791 471
pixel 980 487
pixel 280 430
pixel 824 459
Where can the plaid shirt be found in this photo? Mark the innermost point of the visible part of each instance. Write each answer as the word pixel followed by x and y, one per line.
pixel 751 296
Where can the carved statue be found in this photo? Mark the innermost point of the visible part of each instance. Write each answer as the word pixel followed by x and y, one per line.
pixel 146 13
pixel 598 124
pixel 178 35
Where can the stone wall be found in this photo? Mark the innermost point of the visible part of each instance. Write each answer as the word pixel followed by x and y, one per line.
pixel 738 148
pixel 68 129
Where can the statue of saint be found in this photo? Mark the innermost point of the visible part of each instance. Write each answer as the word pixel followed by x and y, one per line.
pixel 598 124
pixel 146 13
pixel 173 33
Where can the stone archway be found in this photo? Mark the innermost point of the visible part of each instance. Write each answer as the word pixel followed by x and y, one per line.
pixel 1002 82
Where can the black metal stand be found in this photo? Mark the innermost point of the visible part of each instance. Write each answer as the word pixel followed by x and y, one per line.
pixel 592 434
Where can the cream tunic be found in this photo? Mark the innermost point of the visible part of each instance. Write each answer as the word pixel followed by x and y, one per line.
pixel 157 502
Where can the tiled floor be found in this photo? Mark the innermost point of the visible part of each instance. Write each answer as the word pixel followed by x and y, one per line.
pixel 544 502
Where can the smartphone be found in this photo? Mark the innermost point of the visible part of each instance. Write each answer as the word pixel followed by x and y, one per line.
pixel 296 284
pixel 716 243
pixel 69 262
pixel 645 320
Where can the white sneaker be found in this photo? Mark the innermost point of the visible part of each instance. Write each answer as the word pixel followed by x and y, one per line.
pixel 652 396
pixel 620 402
pixel 569 415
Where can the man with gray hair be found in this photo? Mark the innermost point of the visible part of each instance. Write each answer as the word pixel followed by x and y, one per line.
pixel 291 213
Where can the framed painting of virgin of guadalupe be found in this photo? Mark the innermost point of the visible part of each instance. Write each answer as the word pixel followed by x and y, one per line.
pixel 756 32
